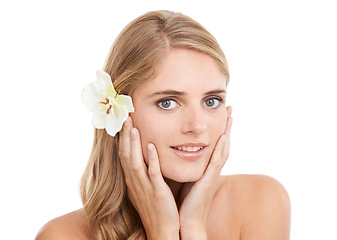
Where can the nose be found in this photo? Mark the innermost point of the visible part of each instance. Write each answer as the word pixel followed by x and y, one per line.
pixel 193 121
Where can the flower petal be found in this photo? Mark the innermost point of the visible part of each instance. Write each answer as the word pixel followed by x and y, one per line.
pixel 99 120
pixel 114 121
pixel 126 101
pixel 91 96
pixel 104 79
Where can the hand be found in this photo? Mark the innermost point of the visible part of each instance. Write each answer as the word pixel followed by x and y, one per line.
pixel 147 190
pixel 195 207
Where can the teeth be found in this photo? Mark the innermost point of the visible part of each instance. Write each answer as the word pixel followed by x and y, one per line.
pixel 189 149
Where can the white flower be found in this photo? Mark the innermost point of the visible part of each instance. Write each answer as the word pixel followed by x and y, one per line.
pixel 110 109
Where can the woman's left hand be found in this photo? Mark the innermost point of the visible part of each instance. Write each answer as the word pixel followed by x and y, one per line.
pixel 195 207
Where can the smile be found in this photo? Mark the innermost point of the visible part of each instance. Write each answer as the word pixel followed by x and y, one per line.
pixel 189 149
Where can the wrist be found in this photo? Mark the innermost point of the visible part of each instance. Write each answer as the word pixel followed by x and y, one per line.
pixel 174 235
pixel 164 237
pixel 193 234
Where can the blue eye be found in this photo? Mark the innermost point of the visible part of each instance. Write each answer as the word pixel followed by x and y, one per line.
pixel 213 102
pixel 167 104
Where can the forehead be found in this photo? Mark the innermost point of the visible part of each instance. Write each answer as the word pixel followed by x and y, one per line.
pixel 187 71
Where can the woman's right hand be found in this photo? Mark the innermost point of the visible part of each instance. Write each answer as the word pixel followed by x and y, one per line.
pixel 147 190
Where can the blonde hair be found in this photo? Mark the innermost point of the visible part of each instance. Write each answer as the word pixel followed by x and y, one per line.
pixel 133 58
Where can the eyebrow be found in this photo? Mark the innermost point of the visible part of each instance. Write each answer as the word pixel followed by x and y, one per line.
pixel 217 91
pixel 177 93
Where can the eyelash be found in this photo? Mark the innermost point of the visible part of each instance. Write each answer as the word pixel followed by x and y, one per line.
pixel 163 100
pixel 218 99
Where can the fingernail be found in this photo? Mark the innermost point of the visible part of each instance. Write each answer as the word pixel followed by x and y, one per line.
pixel 127 121
pixel 133 133
pixel 150 147
pixel 230 111
pixel 223 139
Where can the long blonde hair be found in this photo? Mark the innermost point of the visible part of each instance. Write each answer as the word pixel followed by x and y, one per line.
pixel 133 58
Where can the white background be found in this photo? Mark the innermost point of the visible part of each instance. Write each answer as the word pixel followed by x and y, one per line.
pixel 282 58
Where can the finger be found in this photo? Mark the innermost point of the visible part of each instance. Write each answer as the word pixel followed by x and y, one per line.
pixel 216 163
pixel 221 151
pixel 124 149
pixel 137 163
pixel 229 121
pixel 230 110
pixel 154 171
pixel 225 153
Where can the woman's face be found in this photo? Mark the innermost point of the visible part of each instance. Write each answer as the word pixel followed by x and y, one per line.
pixel 182 112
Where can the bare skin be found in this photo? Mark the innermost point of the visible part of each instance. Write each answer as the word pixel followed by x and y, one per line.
pixel 245 207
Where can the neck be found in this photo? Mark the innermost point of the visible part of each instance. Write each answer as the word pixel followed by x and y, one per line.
pixel 179 190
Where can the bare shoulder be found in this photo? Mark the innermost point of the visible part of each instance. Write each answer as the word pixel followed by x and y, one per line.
pixel 263 205
pixel 256 187
pixel 70 226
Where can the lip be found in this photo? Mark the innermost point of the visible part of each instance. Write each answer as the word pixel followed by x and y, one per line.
pixel 189 155
pixel 191 144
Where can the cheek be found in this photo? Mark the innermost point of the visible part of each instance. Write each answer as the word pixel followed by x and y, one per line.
pixel 223 125
pixel 219 123
pixel 148 125
pixel 152 130
pixel 217 127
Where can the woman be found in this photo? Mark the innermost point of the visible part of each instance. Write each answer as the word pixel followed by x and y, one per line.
pixel 157 176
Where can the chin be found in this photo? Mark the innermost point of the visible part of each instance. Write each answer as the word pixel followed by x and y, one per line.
pixel 181 170
pixel 188 179
pixel 183 177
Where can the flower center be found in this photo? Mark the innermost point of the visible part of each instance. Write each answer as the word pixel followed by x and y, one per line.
pixel 108 105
